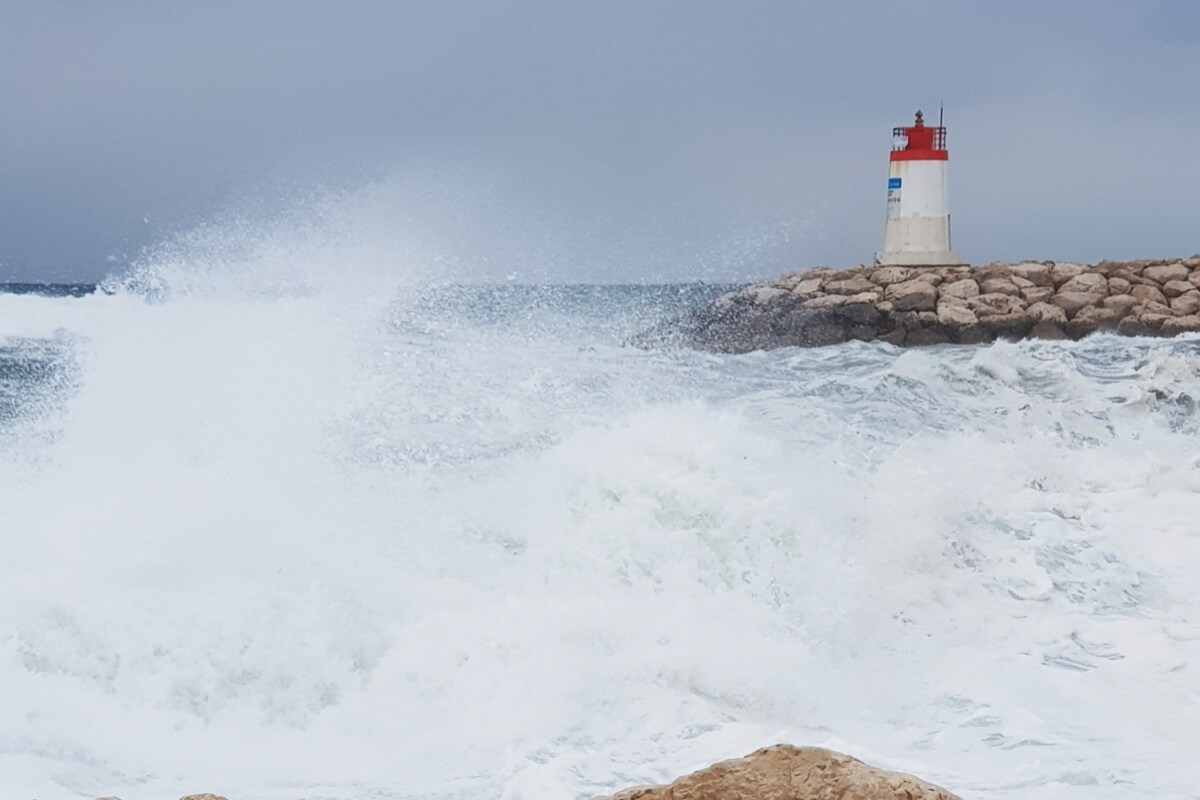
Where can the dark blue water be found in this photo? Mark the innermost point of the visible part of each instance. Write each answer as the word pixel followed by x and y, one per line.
pixel 49 289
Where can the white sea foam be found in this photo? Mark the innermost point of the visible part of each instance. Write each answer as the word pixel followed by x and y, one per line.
pixel 348 540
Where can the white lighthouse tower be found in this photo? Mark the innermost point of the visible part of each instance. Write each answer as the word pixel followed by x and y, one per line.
pixel 918 217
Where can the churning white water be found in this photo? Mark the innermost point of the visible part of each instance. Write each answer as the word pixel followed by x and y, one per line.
pixel 344 538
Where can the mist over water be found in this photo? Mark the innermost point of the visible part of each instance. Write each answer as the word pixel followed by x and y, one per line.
pixel 296 510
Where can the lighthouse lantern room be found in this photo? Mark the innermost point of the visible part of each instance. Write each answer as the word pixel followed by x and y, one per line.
pixel 918 217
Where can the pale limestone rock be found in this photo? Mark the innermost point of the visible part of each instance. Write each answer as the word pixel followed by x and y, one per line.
pixel 1186 304
pixel 1148 294
pixel 204 796
pixel 1129 326
pixel 1037 294
pixel 951 274
pixel 999 286
pixel 850 286
pixel 963 288
pixel 961 302
pixel 927 317
pixel 1152 320
pixel 924 337
pixel 1037 274
pixel 1176 288
pixel 995 303
pixel 929 276
pixel 1118 285
pixel 1194 278
pixel 762 295
pixel 886 276
pixel 784 772
pixel 1015 324
pixel 1061 273
pixel 1121 303
pixel 992 270
pixel 1096 317
pixel 1153 307
pixel 1021 283
pixel 865 297
pixel 1167 272
pixel 1193 262
pixel 1174 325
pixel 808 286
pixel 885 307
pixel 1134 280
pixel 1045 312
pixel 954 315
pixel 1047 330
pixel 912 295
pixel 825 301
pixel 1072 302
pixel 1086 283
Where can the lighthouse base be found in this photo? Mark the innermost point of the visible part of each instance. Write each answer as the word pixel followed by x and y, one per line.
pixel 908 258
pixel 916 241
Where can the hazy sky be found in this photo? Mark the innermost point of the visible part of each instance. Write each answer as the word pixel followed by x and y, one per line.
pixel 599 141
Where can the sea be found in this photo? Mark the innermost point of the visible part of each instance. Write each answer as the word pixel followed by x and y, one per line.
pixel 344 536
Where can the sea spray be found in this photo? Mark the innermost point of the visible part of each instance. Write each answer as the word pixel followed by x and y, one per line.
pixel 352 532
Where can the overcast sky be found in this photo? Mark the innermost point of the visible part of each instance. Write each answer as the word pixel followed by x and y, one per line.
pixel 601 141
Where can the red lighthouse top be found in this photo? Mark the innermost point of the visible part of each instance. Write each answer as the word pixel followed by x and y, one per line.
pixel 919 143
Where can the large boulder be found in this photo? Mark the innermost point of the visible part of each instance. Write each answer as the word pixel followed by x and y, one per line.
pixel 1167 272
pixel 1147 294
pixel 886 276
pixel 1061 273
pixel 763 295
pixel 1121 303
pixel 1175 288
pixel 784 772
pixel 1037 294
pixel 1091 319
pixel 1119 285
pixel 953 315
pixel 1035 273
pixel 807 286
pixel 1000 286
pixel 1174 325
pixel 912 295
pixel 1186 304
pixel 1072 302
pixel 854 285
pixel 1045 312
pixel 961 288
pixel 1086 283
pixel 996 303
pixel 826 301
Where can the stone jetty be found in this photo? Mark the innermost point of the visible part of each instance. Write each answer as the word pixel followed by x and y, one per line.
pixel 914 306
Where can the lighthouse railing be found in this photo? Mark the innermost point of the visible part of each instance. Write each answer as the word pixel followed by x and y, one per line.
pixel 900 138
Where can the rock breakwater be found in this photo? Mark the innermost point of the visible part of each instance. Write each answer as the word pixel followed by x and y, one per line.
pixel 914 306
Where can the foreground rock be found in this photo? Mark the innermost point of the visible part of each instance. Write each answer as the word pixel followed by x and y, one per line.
pixel 938 305
pixel 784 772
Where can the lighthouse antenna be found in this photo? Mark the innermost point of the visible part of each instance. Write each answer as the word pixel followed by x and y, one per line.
pixel 941 114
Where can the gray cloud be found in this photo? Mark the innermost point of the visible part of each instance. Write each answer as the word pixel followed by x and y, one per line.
pixel 601 141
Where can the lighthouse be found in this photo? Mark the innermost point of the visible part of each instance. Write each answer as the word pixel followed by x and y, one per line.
pixel 918 217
